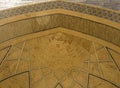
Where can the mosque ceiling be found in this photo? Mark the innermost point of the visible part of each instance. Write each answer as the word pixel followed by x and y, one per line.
pixel 59 60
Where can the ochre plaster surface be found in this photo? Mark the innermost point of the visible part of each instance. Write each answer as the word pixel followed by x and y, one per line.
pixel 65 17
pixel 59 48
pixel 47 22
pixel 59 60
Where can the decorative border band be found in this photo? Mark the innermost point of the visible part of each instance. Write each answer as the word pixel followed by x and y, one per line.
pixel 77 7
pixel 37 24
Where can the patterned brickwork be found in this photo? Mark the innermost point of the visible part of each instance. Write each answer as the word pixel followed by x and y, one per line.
pixel 86 9
pixel 112 4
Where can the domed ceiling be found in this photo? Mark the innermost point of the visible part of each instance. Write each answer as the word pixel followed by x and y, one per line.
pixel 59 60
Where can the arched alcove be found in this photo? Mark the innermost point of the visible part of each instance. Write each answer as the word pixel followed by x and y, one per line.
pixel 59 46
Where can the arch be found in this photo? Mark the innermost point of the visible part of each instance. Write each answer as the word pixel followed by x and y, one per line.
pixel 74 16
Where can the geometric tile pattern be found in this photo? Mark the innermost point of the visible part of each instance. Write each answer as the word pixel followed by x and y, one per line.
pixel 112 4
pixel 59 60
pixel 77 7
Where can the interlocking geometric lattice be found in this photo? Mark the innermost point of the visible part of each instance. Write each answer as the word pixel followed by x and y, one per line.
pixel 76 7
pixel 112 4
pixel 59 60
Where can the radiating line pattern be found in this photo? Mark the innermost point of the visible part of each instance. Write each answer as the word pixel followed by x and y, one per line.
pixel 59 60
